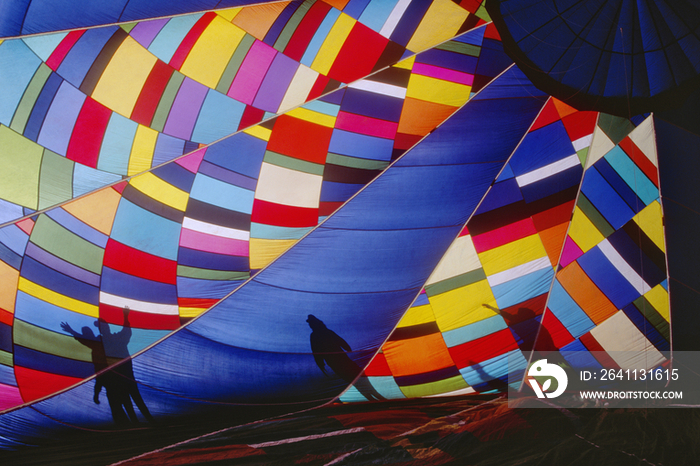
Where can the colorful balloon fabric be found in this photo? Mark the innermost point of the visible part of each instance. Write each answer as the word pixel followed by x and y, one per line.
pixel 294 203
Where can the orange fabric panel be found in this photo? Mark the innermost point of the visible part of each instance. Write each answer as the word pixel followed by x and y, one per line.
pixel 586 294
pixel 257 20
pixel 553 241
pixel 417 355
pixel 420 117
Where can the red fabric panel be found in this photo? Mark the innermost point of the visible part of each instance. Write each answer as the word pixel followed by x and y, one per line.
pixel 89 130
pixel 406 141
pixel 251 116
pixel 552 335
pixel 359 54
pixel 139 264
pixel 525 310
pixel 6 317
pixel 641 160
pixel 378 367
pixel 201 303
pixel 554 216
pixel 63 48
pixel 36 384
pixel 327 208
pixel 504 235
pixel 547 116
pixel 579 124
pixel 319 87
pixel 313 146
pixel 269 213
pixel 305 31
pixel 190 39
pixel 152 91
pixel 482 349
pixel 137 319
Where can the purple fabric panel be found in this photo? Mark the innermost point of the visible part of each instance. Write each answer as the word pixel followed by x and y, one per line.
pixel 276 83
pixel 62 266
pixel 185 109
pixel 146 31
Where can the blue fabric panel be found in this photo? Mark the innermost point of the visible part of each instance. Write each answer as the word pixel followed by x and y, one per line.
pixel 9 257
pixel 206 289
pixel 371 104
pixel 5 338
pixel 170 37
pixel 41 106
pixel 619 185
pixel 7 375
pixel 646 328
pixel 9 211
pixel 87 179
pixel 409 22
pixel 281 21
pixel 240 153
pixel 145 231
pixel 82 55
pixel 228 176
pixel 553 184
pixel 38 361
pixel 14 238
pixel 318 38
pixel 219 116
pixel 473 331
pixel 360 145
pixel 450 60
pixel 210 260
pixel 497 367
pixel 62 284
pixel 523 288
pixel 12 17
pixel 77 227
pixel 338 192
pixel 376 13
pixel 385 386
pixel 525 332
pixel 605 199
pixel 473 37
pixel 636 258
pixel 492 59
pixel 49 316
pixel 62 266
pixel 501 194
pixel 568 312
pixel 15 56
pixel 579 357
pixel 121 345
pixel 259 230
pixel 355 8
pixel 116 145
pixel 129 286
pixel 167 148
pixel 175 175
pixel 607 278
pixel 222 194
pixel 49 15
pixel 542 147
pixel 633 176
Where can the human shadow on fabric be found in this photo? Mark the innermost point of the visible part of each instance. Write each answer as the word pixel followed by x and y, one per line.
pixel 330 349
pixel 119 382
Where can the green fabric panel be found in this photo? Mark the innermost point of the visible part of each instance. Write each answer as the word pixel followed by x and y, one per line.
pixel 617 128
pixel 26 105
pixel 293 164
pixel 193 272
pixel 654 318
pixel 594 216
pixel 355 162
pixel 70 247
pixel 459 47
pixel 455 282
pixel 432 388
pixel 292 24
pixel 46 341
pixel 166 101
pixel 6 358
pixel 56 180
pixel 20 159
pixel 235 63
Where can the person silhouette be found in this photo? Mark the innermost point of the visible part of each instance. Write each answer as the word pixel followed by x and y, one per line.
pixel 330 349
pixel 116 344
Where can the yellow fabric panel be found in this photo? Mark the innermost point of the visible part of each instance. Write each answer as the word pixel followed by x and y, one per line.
pixel 435 388
pixel 257 20
pixel 264 251
pixel 437 90
pixel 463 306
pixel 406 64
pixel 142 150
pixel 583 232
pixel 650 222
pixel 161 191
pixel 97 209
pixel 512 254
pixel 417 355
pixel 9 278
pixel 333 43
pixel 313 117
pixel 189 312
pixel 299 89
pixel 229 13
pixel 440 23
pixel 123 79
pixel 417 315
pixel 21 163
pixel 57 299
pixel 259 132
pixel 658 297
pixel 211 53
